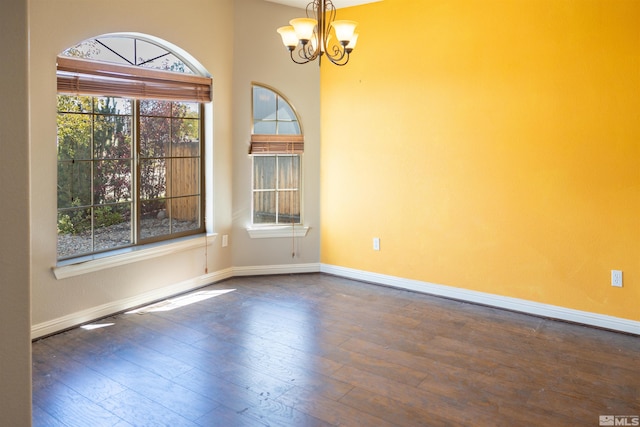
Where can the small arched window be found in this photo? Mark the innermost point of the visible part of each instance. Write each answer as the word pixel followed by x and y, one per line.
pixel 277 144
pixel 130 143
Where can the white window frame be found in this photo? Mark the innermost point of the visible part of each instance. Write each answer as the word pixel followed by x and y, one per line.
pixel 275 230
pixel 121 256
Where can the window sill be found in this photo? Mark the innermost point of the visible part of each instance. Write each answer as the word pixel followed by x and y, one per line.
pixel 93 263
pixel 270 231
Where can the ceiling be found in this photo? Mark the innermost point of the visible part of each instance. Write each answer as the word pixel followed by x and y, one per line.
pixel 337 3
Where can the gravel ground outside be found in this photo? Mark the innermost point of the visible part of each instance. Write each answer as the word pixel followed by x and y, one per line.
pixel 116 236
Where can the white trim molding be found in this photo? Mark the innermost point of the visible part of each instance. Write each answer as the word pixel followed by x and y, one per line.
pixel 509 303
pixel 124 256
pixel 93 313
pixel 105 310
pixel 263 270
pixel 270 231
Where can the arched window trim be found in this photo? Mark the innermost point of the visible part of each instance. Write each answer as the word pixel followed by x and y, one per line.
pixel 281 148
pixel 96 76
pixel 191 63
pixel 276 143
pixel 199 81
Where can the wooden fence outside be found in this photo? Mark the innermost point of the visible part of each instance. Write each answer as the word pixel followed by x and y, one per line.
pixel 184 176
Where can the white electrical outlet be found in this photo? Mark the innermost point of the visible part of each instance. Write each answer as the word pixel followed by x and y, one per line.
pixel 225 240
pixel 616 278
pixel 376 243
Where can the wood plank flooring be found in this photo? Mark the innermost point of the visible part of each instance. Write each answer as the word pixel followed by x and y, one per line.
pixel 318 350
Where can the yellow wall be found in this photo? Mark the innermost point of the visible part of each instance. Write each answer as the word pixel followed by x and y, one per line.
pixel 492 145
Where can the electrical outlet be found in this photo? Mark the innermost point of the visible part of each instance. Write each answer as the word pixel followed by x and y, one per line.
pixel 376 243
pixel 616 278
pixel 225 240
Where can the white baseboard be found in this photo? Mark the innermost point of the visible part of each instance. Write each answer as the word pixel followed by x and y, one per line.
pixel 509 303
pixel 88 315
pixel 78 318
pixel 515 304
pixel 263 270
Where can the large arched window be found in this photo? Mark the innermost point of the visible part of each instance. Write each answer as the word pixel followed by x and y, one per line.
pixel 130 144
pixel 277 144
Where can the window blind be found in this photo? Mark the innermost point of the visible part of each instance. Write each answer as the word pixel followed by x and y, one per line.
pixel 277 144
pixel 83 77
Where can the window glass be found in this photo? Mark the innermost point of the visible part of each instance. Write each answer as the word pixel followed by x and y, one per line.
pixel 98 171
pixel 264 172
pixel 129 170
pixel 276 187
pixel 288 128
pixel 285 112
pixel 128 51
pixel 264 211
pixel 170 164
pixel 94 174
pixel 264 104
pixel 276 170
pixel 272 114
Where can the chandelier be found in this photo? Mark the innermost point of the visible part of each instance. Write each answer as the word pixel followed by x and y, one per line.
pixel 319 34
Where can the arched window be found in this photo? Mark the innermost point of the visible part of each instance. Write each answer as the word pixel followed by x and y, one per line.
pixel 130 144
pixel 277 144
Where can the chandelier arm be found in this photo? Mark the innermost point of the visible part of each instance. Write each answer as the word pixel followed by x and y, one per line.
pixel 307 52
pixel 330 10
pixel 324 13
pixel 340 64
pixel 312 7
pixel 300 55
pixel 339 60
pixel 337 53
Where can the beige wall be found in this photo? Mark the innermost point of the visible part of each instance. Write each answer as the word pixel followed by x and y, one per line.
pixel 15 348
pixel 202 28
pixel 259 56
pixel 237 43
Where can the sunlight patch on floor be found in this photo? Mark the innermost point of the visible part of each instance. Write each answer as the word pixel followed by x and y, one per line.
pixel 181 301
pixel 93 326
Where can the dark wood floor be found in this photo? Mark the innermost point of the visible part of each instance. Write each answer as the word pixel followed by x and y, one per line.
pixel 317 350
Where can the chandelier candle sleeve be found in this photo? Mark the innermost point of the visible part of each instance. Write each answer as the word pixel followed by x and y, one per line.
pixel 289 37
pixel 319 34
pixel 352 43
pixel 304 28
pixel 344 30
